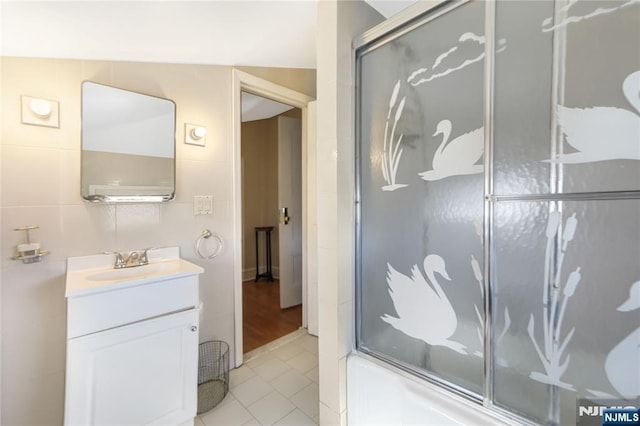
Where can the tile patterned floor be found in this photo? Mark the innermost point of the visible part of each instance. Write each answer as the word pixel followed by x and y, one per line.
pixel 278 385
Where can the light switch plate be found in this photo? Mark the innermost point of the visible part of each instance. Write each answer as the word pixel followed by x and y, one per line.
pixel 202 204
pixel 40 112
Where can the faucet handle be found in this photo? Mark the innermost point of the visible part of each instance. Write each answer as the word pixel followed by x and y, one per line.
pixel 144 260
pixel 119 262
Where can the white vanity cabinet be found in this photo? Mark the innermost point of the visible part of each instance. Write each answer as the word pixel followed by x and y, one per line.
pixel 132 345
pixel 144 373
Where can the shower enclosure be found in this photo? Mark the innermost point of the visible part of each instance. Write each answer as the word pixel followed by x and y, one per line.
pixel 498 203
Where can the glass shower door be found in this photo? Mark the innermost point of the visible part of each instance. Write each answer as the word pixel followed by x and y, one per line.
pixel 550 202
pixel 566 223
pixel 421 180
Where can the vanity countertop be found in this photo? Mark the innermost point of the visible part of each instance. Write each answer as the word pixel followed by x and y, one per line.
pixel 95 274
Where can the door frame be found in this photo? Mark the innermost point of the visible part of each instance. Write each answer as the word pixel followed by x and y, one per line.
pixel 243 81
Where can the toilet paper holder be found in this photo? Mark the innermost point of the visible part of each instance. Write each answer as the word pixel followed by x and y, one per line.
pixel 28 252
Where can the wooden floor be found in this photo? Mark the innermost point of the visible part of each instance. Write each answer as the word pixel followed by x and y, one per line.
pixel 262 319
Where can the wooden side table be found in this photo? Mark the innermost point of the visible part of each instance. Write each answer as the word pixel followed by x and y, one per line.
pixel 267 238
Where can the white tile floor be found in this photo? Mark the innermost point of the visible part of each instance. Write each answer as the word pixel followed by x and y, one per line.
pixel 278 385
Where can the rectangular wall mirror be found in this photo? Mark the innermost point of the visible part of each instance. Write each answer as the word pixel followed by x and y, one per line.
pixel 128 146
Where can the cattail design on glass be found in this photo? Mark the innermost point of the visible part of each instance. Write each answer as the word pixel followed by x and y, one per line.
pixel 477 273
pixel 555 298
pixel 392 150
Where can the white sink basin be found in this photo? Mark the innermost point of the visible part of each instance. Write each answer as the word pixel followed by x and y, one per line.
pixel 95 273
pixel 133 272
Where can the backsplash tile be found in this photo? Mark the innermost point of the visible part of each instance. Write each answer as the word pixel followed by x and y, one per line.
pixel 138 226
pixel 88 229
pixel 178 224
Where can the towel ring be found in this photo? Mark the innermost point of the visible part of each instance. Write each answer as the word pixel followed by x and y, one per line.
pixel 206 234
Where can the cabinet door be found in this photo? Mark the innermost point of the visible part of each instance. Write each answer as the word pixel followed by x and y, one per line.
pixel 140 374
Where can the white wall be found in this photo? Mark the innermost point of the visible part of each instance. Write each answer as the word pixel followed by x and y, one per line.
pixel 338 23
pixel 40 185
pixel 1 252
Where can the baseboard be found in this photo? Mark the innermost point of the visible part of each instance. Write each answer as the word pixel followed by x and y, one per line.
pixel 249 274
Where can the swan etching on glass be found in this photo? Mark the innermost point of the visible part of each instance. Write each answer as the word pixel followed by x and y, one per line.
pixel 603 133
pixel 623 362
pixel 424 311
pixel 456 157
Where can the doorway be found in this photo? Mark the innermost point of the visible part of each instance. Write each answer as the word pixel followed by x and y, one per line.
pixel 244 82
pixel 271 158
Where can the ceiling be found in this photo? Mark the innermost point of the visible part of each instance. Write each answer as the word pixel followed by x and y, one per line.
pixel 268 33
pixel 256 33
pixel 258 108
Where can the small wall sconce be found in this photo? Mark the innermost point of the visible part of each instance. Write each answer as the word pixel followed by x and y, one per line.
pixel 40 112
pixel 194 134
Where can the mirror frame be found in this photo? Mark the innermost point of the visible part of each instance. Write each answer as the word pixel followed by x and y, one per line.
pixel 111 199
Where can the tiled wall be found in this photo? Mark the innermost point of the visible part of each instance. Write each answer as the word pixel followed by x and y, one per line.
pixel 338 23
pixel 40 185
pixel 1 251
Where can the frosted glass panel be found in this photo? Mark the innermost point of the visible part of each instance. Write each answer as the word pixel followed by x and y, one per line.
pixel 567 103
pixel 565 269
pixel 421 148
pixel 574 304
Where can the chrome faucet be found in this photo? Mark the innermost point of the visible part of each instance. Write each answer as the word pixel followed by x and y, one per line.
pixel 133 258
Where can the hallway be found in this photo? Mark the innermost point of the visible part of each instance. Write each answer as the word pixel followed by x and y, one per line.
pixel 262 319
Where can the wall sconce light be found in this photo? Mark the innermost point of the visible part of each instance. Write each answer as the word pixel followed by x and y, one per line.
pixel 40 112
pixel 40 108
pixel 194 134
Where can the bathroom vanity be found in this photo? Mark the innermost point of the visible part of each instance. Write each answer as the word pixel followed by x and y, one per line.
pixel 132 341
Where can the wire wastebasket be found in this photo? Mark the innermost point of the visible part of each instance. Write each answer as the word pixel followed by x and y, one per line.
pixel 213 374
